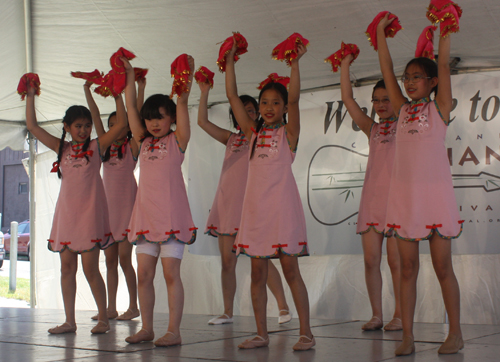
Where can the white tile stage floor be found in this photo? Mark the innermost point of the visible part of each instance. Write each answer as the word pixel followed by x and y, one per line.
pixel 24 338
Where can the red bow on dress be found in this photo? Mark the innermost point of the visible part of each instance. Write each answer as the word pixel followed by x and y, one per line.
pixel 425 43
pixel 345 49
pixel 180 71
pixel 447 13
pixel 94 77
pixel 83 154
pixel 287 49
pixel 30 79
pixel 390 30
pixel 225 48
pixel 55 167
pixel 274 78
pixel 204 75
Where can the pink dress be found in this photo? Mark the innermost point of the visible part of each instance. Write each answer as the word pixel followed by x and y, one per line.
pixel 161 211
pixel 120 187
pixel 81 217
pixel 225 214
pixel 421 197
pixel 373 205
pixel 272 218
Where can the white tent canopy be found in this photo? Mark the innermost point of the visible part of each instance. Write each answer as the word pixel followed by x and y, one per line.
pixel 81 35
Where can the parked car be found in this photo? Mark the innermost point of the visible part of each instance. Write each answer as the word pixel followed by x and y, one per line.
pixel 23 239
pixel 2 250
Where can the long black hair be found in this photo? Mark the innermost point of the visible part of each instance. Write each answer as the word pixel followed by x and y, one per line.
pixel 428 66
pixel 151 110
pixel 72 114
pixel 281 89
pixel 107 154
pixel 245 99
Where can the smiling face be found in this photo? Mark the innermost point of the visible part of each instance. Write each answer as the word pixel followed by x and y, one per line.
pixel 251 111
pixel 159 127
pixel 80 129
pixel 272 106
pixel 417 84
pixel 382 104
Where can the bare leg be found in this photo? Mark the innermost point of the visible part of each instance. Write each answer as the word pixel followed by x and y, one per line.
pixel 146 270
pixel 259 294
pixel 290 265
pixel 228 273
pixel 69 267
pixel 394 262
pixel 111 254
pixel 372 251
pixel 90 262
pixel 443 266
pixel 125 253
pixel 276 286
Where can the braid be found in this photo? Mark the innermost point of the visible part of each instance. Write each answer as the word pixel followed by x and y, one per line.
pixel 107 154
pixel 59 154
pixel 260 123
pixel 85 146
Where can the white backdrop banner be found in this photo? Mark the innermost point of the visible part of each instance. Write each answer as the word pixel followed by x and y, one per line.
pixel 331 164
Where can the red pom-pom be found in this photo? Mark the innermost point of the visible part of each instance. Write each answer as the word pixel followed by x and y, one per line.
pixel 140 73
pixel 180 71
pixel 94 77
pixel 107 85
pixel 287 49
pixel 447 13
pixel 274 78
pixel 225 48
pixel 336 58
pixel 115 61
pixel 26 81
pixel 425 43
pixel 204 75
pixel 390 30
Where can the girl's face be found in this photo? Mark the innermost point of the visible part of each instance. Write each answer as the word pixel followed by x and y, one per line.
pixel 417 84
pixel 123 134
pixel 159 127
pixel 79 130
pixel 251 111
pixel 382 104
pixel 272 107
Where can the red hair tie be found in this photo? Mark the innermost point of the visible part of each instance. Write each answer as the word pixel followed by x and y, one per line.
pixel 287 49
pixel 26 81
pixel 390 30
pixel 227 45
pixel 345 49
pixel 55 167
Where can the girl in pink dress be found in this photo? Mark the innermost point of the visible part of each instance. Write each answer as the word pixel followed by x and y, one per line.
pixel 421 201
pixel 80 224
pixel 161 222
pixel 119 183
pixel 224 218
pixel 272 221
pixel 373 205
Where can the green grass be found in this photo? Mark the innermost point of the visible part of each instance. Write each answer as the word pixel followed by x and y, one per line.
pixel 22 289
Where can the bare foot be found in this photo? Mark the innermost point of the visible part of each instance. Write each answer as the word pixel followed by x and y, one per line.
pixel 141 336
pixel 128 315
pixel 100 328
pixel 63 328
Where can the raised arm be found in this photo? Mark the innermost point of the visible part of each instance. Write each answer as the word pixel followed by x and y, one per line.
pixel 384 56
pixel 359 117
pixel 293 125
pixel 183 129
pixel 134 118
pixel 94 110
pixel 114 132
pixel 216 132
pixel 141 86
pixel 444 97
pixel 32 125
pixel 245 122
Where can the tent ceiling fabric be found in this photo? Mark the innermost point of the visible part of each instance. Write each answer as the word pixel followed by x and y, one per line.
pixel 82 35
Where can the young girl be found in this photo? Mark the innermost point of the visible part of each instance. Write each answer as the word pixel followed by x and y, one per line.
pixel 81 224
pixel 421 202
pixel 161 221
pixel 225 214
pixel 373 205
pixel 121 187
pixel 272 222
